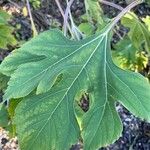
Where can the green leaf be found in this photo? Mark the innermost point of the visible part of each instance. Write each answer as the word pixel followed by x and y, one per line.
pixel 126 48
pixel 41 67
pixel 46 119
pixel 86 28
pixel 35 3
pixel 148 1
pixel 6 30
pixel 3 82
pixel 4 17
pixel 12 106
pixel 4 117
pixel 17 58
pixel 13 103
pixel 94 11
pixel 147 22
pixel 52 124
pixel 138 33
pixel 127 56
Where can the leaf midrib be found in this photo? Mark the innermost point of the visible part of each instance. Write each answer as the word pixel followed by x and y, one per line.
pixel 65 94
pixel 106 90
pixel 60 60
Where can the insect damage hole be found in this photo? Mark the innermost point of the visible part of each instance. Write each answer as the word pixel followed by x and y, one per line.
pixel 84 102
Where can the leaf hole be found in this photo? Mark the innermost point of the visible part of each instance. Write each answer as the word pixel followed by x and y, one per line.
pixel 84 102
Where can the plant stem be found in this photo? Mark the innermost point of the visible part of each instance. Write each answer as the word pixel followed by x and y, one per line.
pixel 111 4
pixel 124 11
pixel 66 15
pixel 120 37
pixel 31 19
pixel 117 7
pixel 75 29
pixel 114 6
pixel 60 8
pixel 63 15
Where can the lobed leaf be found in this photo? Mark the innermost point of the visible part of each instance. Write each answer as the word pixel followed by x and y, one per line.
pixel 46 118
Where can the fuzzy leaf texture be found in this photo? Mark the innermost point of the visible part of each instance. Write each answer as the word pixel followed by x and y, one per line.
pixel 50 70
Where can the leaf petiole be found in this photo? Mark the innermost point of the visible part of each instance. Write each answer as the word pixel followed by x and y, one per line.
pixel 123 12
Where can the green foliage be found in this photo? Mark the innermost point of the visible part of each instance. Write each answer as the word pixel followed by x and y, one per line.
pixel 147 1
pixel 3 17
pixel 35 3
pixel 7 114
pixel 6 30
pixel 130 52
pixel 13 103
pixel 3 82
pixel 4 117
pixel 147 22
pixel 94 11
pixel 127 56
pixel 139 34
pixel 93 20
pixel 86 28
pixel 51 71
pixel 48 76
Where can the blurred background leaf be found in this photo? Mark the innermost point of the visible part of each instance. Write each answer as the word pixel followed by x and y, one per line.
pixel 6 31
pixel 127 56
pixel 138 32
